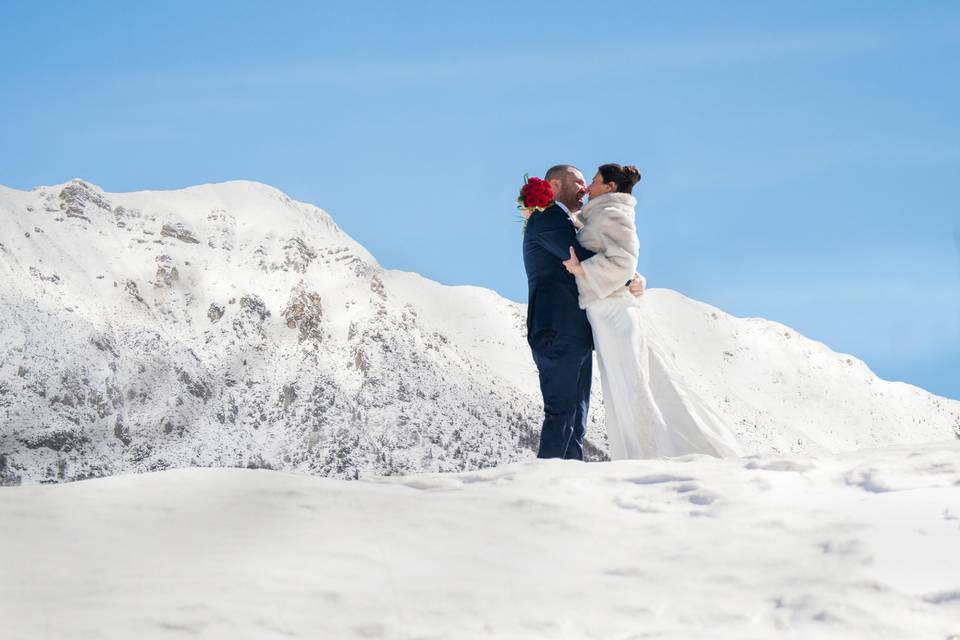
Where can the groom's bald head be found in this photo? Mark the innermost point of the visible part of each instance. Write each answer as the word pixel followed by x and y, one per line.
pixel 558 170
pixel 568 185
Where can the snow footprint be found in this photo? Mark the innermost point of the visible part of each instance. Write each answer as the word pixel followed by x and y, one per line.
pixel 659 478
pixel 693 493
pixel 704 498
pixel 797 466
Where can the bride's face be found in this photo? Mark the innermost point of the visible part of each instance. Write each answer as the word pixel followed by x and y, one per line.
pixel 598 187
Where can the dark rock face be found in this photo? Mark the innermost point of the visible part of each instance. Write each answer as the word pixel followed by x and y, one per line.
pixel 134 292
pixel 215 312
pixel 253 305
pixel 179 232
pixel 46 277
pixel 63 440
pixel 167 272
pixel 196 388
pixel 304 311
pixel 7 476
pixel 121 432
pixel 297 255
pixel 105 343
pixel 78 198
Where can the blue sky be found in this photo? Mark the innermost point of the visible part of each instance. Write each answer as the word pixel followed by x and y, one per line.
pixel 800 160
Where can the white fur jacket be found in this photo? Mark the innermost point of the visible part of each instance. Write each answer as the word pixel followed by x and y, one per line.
pixel 609 230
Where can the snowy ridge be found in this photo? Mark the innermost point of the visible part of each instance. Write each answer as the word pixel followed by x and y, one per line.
pixel 785 392
pixel 229 325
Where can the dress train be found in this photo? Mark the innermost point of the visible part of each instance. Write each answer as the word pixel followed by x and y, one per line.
pixel 650 410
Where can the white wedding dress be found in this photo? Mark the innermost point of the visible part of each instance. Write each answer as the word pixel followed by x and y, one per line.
pixel 650 411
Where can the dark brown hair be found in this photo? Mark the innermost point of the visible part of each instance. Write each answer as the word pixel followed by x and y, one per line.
pixel 624 177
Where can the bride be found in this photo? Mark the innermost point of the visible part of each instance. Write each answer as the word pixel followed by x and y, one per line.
pixel 649 410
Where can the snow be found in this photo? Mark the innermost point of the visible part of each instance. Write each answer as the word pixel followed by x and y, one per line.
pixel 152 330
pixel 846 546
pixel 159 338
pixel 474 318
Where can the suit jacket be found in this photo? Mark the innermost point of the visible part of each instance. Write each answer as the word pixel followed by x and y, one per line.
pixel 552 301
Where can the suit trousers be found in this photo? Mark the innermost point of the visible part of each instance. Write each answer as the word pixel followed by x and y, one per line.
pixel 565 365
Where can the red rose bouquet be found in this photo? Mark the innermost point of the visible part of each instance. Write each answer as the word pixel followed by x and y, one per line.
pixel 535 195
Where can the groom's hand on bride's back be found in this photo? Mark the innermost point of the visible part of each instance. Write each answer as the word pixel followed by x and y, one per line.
pixel 637 284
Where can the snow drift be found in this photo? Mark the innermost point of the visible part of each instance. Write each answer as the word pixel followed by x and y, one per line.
pixel 852 546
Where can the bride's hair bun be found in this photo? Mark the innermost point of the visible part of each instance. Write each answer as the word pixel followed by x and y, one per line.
pixel 624 177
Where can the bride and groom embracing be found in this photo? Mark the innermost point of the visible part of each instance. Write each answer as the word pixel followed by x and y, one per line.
pixel 585 294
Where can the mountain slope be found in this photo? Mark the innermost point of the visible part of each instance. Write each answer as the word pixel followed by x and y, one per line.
pixel 228 325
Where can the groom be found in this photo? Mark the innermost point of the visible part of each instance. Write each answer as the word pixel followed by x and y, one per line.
pixel 557 328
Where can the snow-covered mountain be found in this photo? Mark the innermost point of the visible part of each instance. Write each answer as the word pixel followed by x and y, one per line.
pixel 229 325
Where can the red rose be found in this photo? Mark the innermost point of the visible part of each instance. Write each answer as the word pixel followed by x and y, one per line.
pixel 535 195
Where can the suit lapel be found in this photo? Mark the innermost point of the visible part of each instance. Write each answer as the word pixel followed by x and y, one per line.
pixel 563 213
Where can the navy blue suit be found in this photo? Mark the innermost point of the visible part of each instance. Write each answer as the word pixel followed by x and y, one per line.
pixel 558 332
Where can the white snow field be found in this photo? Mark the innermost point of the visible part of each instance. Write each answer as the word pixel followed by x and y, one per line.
pixel 855 545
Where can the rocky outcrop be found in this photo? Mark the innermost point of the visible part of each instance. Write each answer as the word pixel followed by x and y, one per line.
pixel 78 198
pixel 179 232
pixel 215 312
pixel 167 272
pixel 304 312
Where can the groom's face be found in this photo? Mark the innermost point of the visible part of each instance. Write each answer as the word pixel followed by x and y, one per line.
pixel 569 189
